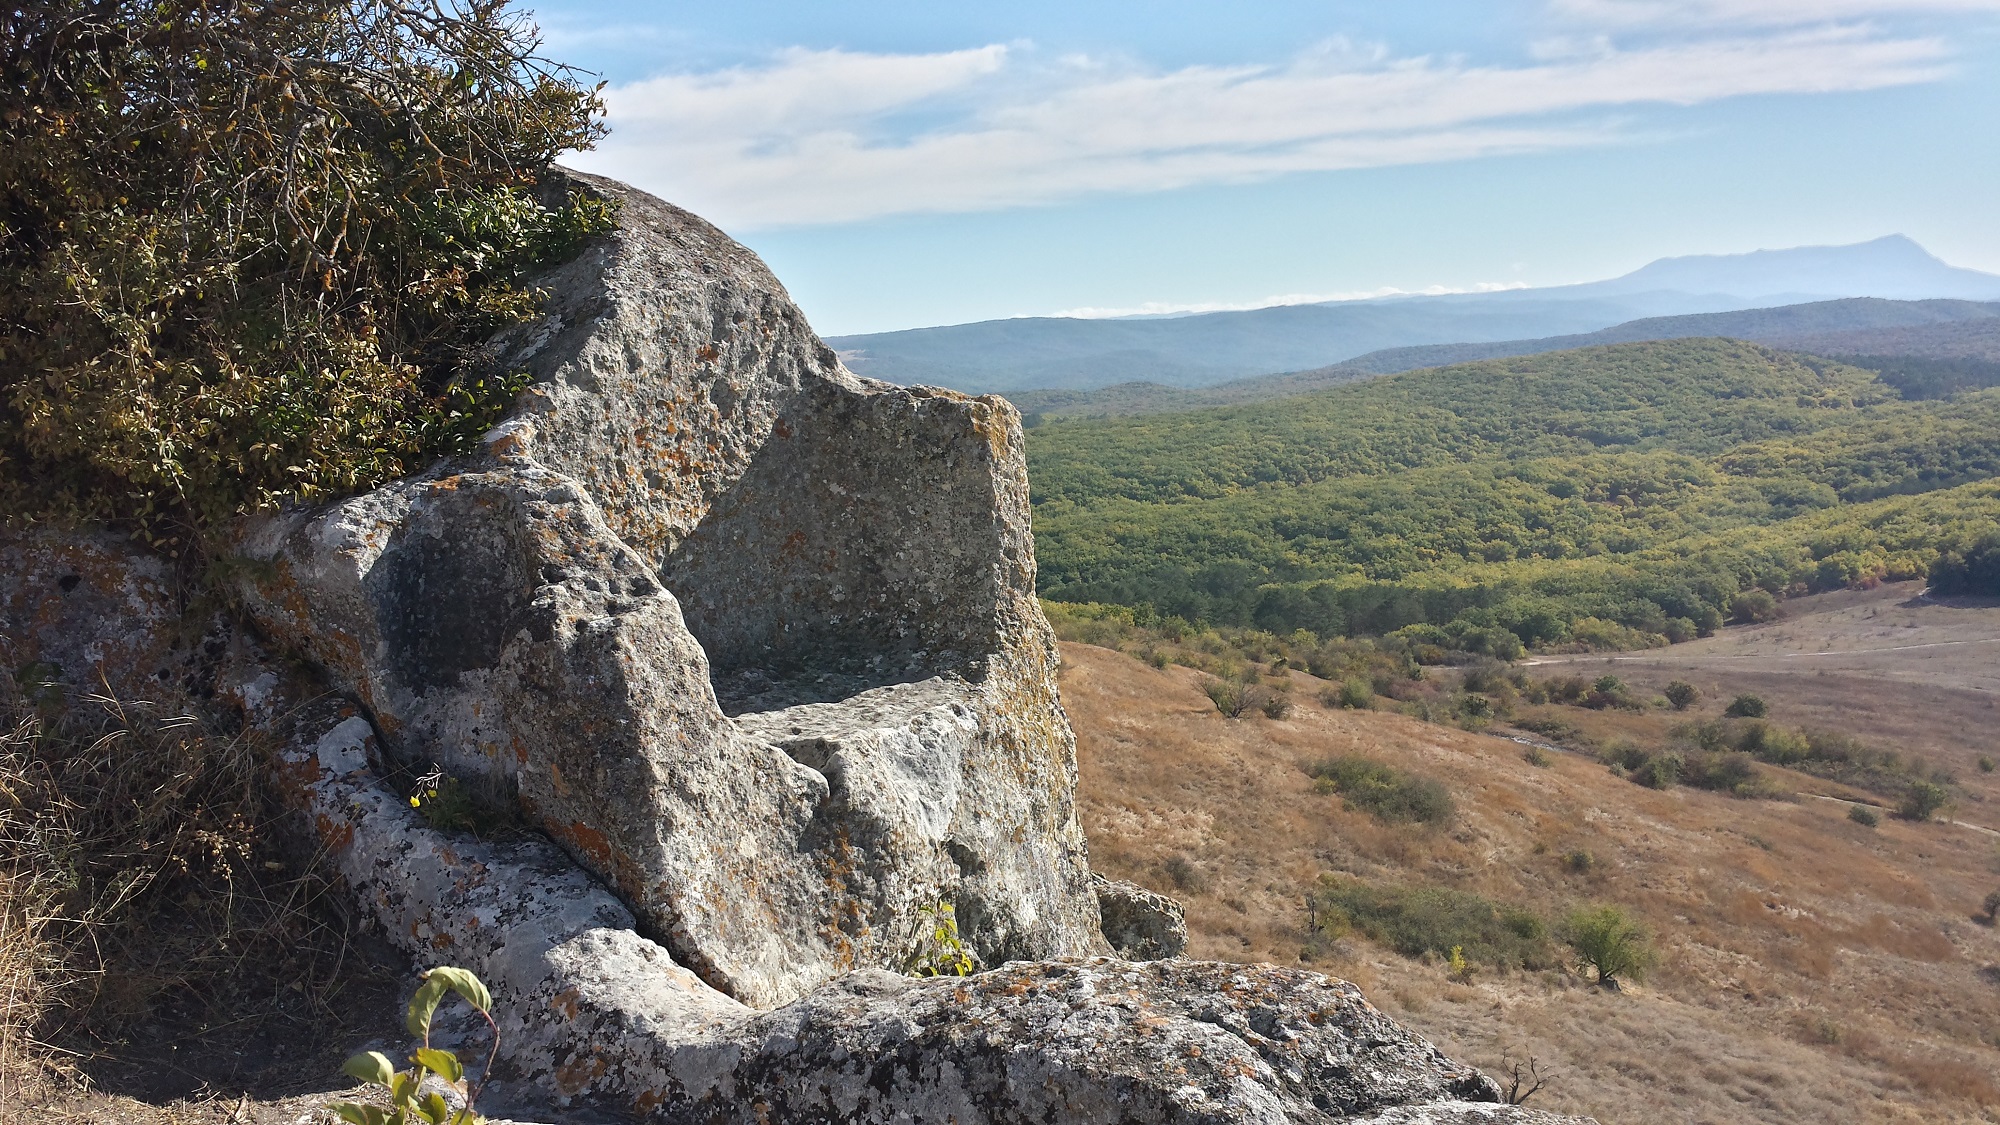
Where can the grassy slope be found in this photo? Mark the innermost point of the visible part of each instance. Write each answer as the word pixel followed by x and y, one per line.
pixel 1581 477
pixel 1813 970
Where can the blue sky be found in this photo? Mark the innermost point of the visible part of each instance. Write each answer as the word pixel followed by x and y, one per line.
pixel 904 164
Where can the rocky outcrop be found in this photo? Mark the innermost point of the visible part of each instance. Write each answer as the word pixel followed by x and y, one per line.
pixel 595 1015
pixel 755 641
pixel 1139 924
pixel 752 647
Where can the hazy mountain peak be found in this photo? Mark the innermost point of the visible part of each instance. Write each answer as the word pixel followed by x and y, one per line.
pixel 1893 266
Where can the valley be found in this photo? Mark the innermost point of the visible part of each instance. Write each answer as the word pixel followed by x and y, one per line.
pixel 1614 497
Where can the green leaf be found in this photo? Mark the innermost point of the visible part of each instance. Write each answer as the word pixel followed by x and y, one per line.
pixel 424 1004
pixel 433 1107
pixel 360 1114
pixel 465 984
pixel 404 1089
pixel 444 1064
pixel 370 1066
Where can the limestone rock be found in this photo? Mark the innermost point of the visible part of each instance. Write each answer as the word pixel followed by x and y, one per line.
pixel 91 611
pixel 753 640
pixel 1139 924
pixel 594 1016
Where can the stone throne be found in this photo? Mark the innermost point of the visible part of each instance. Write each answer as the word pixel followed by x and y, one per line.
pixel 753 639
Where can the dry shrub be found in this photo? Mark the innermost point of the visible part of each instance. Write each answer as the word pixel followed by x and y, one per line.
pixel 142 879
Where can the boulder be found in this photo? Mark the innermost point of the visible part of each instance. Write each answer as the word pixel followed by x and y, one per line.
pixel 595 1017
pixel 89 611
pixel 1139 924
pixel 754 640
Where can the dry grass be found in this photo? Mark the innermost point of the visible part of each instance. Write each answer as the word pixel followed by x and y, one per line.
pixel 156 936
pixel 1813 969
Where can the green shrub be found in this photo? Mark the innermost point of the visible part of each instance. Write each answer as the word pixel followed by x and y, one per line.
pixel 1275 705
pixel 409 1102
pixel 1682 695
pixel 1772 744
pixel 1230 699
pixel 241 263
pixel 1606 692
pixel 1659 771
pixel 1415 921
pixel 1745 707
pixel 1986 763
pixel 1989 909
pixel 1702 759
pixel 1580 861
pixel 1753 606
pixel 1837 757
pixel 1970 569
pixel 1923 800
pixel 1537 757
pixel 1609 943
pixel 1383 791
pixel 1352 694
pixel 940 951
pixel 1863 815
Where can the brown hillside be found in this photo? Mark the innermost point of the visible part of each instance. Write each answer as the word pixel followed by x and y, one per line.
pixel 1812 969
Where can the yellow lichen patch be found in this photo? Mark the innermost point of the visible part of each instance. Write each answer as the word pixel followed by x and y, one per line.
pixel 993 420
pixel 336 834
pixel 566 1004
pixel 594 845
pixel 574 1076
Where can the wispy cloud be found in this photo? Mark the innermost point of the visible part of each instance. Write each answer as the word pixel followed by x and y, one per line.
pixel 1758 13
pixel 833 136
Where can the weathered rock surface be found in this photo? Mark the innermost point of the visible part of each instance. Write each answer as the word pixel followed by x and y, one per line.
pixel 1139 924
pixel 89 611
pixel 595 1016
pixel 696 495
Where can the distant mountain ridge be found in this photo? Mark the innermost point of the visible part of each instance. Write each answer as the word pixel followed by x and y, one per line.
pixel 1894 267
pixel 1210 348
pixel 1849 325
pixel 1866 330
pixel 1197 351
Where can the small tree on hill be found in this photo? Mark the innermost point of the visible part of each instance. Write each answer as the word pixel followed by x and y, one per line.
pixel 1682 695
pixel 1923 800
pixel 1753 606
pixel 1746 707
pixel 1230 699
pixel 1608 943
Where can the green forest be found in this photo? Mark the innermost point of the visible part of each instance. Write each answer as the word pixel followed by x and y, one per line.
pixel 1609 497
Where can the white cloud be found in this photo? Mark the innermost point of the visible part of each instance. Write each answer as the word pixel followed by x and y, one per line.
pixel 833 136
pixel 1763 13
